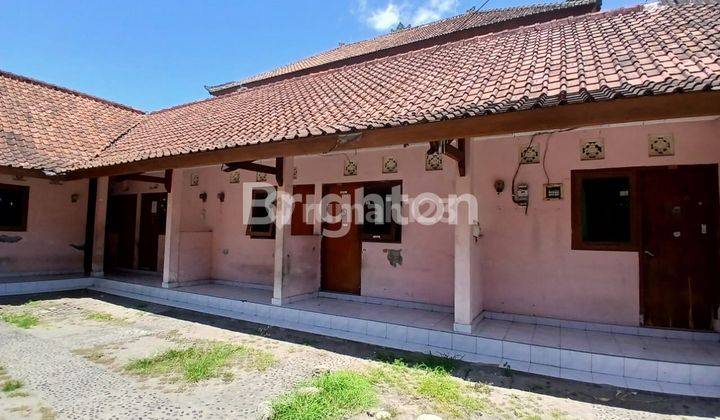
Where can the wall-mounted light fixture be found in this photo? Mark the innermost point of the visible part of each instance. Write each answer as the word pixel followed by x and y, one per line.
pixel 74 198
pixel 221 196
pixel 499 186
pixel 203 196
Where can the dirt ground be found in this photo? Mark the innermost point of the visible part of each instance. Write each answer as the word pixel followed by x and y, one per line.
pixel 71 365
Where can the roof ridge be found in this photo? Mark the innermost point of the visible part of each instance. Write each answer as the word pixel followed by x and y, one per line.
pixel 467 14
pixel 31 80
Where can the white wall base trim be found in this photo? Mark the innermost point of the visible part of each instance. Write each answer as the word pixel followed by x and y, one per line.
pixel 242 284
pixel 291 299
pixel 388 302
pixel 596 326
pixel 467 328
pixel 78 273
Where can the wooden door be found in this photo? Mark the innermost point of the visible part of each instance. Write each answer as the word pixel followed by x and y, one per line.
pixel 153 208
pixel 341 257
pixel 121 230
pixel 679 254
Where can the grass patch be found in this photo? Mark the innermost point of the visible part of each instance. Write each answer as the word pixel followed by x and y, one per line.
pixel 11 385
pixel 3 371
pixel 103 317
pixel 202 361
pixel 340 394
pixel 430 379
pixel 20 319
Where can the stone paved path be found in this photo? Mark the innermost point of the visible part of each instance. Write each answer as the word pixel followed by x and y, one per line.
pixel 77 388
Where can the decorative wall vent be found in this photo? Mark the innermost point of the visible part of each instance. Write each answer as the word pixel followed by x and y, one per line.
pixel 235 177
pixel 260 177
pixel 592 149
pixel 433 162
pixel 389 165
pixel 530 153
pixel 661 145
pixel 350 168
pixel 194 180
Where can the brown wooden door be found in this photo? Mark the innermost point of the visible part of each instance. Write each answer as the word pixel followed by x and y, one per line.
pixel 153 208
pixel 121 230
pixel 679 254
pixel 341 257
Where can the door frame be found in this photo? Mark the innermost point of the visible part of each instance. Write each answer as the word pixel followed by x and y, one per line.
pixel 142 232
pixel 323 239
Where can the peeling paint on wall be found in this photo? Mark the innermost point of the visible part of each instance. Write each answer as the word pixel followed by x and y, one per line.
pixel 394 256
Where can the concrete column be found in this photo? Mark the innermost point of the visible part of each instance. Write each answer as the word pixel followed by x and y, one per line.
pixel 282 236
pixel 468 293
pixel 171 266
pixel 98 256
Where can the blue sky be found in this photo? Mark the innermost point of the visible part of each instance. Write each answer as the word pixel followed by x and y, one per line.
pixel 153 54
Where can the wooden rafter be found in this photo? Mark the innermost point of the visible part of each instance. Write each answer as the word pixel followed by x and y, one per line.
pixel 457 153
pixel 139 177
pixel 276 170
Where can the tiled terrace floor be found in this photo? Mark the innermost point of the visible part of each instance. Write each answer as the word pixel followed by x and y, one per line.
pixel 598 342
pixel 642 360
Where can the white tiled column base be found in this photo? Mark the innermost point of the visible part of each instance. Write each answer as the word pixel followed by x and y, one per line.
pixel 649 375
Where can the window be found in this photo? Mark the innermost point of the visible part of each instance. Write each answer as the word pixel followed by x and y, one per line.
pixel 260 230
pixel 13 207
pixel 604 210
pixel 378 224
pixel 299 226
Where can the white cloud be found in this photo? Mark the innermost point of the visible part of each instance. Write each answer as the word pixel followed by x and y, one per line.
pixel 388 16
pixel 384 19
pixel 433 10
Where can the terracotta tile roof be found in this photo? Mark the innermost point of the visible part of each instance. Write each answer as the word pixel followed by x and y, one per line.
pixel 603 56
pixel 47 127
pixel 468 22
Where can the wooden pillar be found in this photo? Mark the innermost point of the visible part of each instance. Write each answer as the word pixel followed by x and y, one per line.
pixel 282 235
pixel 171 267
pixel 98 255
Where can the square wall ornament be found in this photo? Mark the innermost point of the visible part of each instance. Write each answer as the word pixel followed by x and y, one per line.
pixel 661 145
pixel 592 149
pixel 194 180
pixel 350 168
pixel 433 162
pixel 260 177
pixel 235 177
pixel 389 165
pixel 529 153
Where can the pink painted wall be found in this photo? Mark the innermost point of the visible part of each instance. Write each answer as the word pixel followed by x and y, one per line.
pixel 527 265
pixel 54 222
pixel 426 274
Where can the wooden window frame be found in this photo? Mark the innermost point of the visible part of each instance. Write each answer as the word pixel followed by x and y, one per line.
pixel 249 229
pixel 24 206
pixel 298 227
pixel 395 234
pixel 577 177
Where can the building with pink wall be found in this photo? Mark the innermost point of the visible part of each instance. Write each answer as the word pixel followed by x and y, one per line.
pixel 594 186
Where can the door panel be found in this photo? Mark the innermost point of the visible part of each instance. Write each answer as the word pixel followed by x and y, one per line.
pixel 341 257
pixel 121 230
pixel 679 254
pixel 152 224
